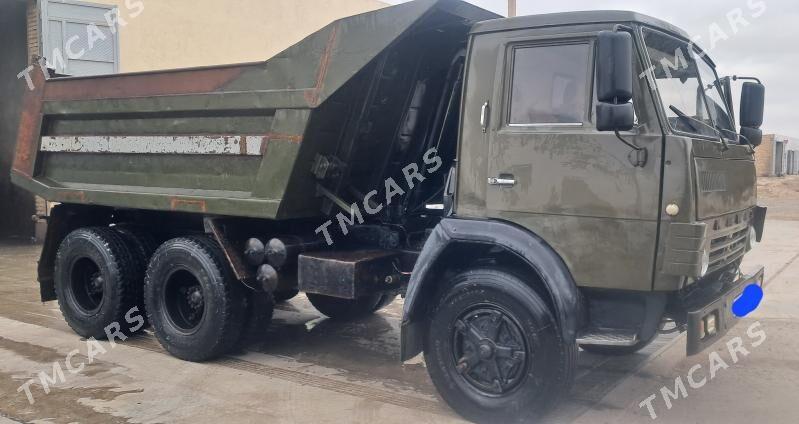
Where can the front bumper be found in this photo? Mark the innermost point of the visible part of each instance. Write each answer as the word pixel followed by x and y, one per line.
pixel 717 300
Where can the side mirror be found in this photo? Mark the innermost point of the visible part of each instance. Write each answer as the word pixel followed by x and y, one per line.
pixel 614 81
pixel 753 96
pixel 753 136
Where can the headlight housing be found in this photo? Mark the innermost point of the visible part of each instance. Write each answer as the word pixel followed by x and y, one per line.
pixel 705 262
pixel 751 239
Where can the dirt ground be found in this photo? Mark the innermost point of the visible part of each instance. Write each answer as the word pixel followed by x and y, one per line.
pixel 780 195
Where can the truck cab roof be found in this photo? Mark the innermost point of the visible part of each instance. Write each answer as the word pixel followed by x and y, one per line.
pixel 575 18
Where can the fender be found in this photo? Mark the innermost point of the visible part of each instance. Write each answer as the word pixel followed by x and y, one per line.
pixel 532 249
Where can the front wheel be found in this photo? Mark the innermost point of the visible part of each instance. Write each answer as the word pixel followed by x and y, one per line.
pixel 493 349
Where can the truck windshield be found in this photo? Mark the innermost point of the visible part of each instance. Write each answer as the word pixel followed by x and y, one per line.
pixel 688 86
pixel 716 103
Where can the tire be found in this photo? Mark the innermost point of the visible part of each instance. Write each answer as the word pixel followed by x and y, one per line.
pixel 494 351
pixel 260 308
pixel 286 295
pixel 196 307
pixel 617 350
pixel 96 284
pixel 347 309
pixel 142 245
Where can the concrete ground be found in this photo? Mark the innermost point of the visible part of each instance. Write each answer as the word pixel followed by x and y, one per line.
pixel 315 370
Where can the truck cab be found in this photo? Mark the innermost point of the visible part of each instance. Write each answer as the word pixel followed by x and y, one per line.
pixel 649 220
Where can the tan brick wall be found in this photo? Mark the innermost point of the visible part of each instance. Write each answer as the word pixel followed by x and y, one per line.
pixel 33 29
pixel 764 157
pixel 185 33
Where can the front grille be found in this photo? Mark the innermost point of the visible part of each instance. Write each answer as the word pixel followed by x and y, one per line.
pixel 725 237
pixel 728 243
pixel 712 181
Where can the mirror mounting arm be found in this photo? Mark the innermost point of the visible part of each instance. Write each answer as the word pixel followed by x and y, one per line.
pixel 638 156
pixel 736 78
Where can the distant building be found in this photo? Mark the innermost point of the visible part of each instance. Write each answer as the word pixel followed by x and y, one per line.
pixel 90 37
pixel 777 156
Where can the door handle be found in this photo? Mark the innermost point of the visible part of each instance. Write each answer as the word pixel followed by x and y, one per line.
pixel 503 180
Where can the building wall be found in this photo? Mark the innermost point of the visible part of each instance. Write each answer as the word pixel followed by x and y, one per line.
pixel 791 145
pixel 764 157
pixel 16 206
pixel 161 34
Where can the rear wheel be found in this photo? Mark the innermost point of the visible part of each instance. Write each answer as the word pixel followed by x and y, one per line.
pixel 141 245
pixel 96 284
pixel 493 349
pixel 195 306
pixel 344 309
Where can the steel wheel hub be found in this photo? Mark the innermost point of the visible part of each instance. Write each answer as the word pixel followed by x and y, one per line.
pixel 490 350
pixel 184 301
pixel 87 285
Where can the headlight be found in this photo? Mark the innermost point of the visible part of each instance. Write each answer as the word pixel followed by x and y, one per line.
pixel 705 262
pixel 750 243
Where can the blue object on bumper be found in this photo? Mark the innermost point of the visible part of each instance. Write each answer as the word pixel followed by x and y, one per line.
pixel 749 300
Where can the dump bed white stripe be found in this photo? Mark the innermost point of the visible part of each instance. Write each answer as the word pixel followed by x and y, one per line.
pixel 248 145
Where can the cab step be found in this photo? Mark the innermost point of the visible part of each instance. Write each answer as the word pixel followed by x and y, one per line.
pixel 608 337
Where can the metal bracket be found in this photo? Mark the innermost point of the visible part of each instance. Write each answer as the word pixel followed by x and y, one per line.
pixel 638 157
pixel 240 270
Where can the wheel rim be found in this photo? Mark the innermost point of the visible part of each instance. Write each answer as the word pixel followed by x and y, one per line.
pixel 490 350
pixel 87 285
pixel 184 300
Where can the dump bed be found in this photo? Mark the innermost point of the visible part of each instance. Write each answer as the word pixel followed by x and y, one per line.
pixel 237 140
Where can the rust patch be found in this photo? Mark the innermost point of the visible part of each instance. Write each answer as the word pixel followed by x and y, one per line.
pixel 190 81
pixel 324 66
pixel 30 127
pixel 241 271
pixel 187 205
pixel 277 136
pixel 242 145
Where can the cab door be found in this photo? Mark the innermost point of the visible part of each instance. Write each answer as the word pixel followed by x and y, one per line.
pixel 549 170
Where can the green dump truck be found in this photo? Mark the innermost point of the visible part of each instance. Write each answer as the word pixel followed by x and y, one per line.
pixel 528 185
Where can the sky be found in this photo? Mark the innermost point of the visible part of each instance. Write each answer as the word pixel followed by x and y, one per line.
pixel 762 40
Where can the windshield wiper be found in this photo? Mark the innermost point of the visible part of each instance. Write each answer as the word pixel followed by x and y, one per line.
pixel 714 127
pixel 682 114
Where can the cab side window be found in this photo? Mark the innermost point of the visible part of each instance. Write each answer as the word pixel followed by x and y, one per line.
pixel 549 85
